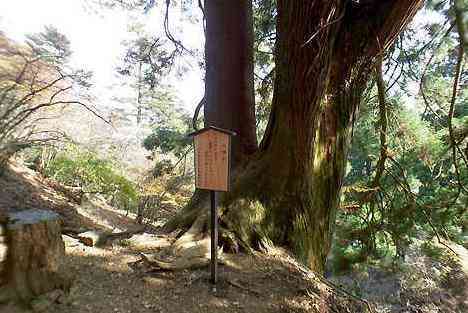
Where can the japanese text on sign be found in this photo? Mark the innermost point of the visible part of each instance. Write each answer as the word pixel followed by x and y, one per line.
pixel 212 161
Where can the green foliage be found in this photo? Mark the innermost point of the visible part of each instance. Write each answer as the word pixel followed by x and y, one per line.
pixel 164 189
pixel 167 140
pixel 95 175
pixel 344 256
pixel 423 189
pixel 51 45
pixel 170 127
pixel 433 251
pixel 417 194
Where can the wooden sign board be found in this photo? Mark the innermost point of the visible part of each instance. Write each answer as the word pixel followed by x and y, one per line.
pixel 212 158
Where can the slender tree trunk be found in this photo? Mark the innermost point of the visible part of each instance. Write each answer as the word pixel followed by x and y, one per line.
pixel 229 86
pixel 381 92
pixel 229 89
pixel 139 95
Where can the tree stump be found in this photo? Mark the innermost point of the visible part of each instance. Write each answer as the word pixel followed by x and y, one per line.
pixel 33 258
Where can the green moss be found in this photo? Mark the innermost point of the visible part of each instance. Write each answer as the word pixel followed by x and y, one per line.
pixel 433 251
pixel 245 218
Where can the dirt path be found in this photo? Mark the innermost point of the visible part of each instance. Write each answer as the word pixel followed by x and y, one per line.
pixel 112 278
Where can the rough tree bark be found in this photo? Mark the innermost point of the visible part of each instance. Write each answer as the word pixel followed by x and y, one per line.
pixel 229 84
pixel 229 87
pixel 33 260
pixel 290 190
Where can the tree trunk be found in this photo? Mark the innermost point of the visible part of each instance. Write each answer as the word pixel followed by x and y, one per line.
pixel 290 190
pixel 325 54
pixel 229 86
pixel 229 89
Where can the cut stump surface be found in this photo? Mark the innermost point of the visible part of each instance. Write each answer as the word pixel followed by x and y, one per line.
pixel 33 255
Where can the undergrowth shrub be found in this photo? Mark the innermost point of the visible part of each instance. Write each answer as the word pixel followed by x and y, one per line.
pixel 165 189
pixel 94 175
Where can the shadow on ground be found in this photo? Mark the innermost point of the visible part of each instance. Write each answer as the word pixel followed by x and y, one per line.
pixel 111 280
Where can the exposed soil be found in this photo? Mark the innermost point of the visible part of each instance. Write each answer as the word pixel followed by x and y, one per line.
pixel 114 279
pixel 22 189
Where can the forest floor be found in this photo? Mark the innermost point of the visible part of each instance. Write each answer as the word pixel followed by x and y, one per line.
pixel 433 281
pixel 113 278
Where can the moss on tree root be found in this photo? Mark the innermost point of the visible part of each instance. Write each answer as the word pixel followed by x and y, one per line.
pixel 257 211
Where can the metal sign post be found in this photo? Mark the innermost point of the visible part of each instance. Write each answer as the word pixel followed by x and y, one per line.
pixel 214 239
pixel 212 171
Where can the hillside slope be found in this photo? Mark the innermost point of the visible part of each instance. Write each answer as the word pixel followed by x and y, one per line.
pixel 114 277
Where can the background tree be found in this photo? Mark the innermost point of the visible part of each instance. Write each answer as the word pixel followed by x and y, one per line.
pixel 51 45
pixel 264 43
pixel 146 61
pixel 34 80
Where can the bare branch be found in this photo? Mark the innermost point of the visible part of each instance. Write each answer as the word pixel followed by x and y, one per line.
pixel 197 112
pixel 450 117
pixel 383 123
pixel 167 31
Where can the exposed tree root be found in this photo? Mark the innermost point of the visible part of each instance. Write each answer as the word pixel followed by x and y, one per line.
pixel 243 222
pixel 100 238
pixel 191 259
pixel 237 284
pixel 188 255
pixel 257 210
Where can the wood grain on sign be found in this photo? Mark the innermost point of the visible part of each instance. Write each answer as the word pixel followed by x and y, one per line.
pixel 212 160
